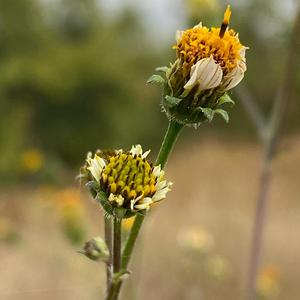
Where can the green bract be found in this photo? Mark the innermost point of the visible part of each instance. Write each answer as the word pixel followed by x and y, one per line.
pixel 194 107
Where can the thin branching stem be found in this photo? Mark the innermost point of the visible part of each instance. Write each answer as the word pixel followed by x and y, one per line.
pixel 273 129
pixel 253 111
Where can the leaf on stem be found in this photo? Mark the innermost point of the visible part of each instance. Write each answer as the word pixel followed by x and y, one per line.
pixel 223 113
pixel 155 78
pixel 172 101
pixel 208 112
pixel 225 99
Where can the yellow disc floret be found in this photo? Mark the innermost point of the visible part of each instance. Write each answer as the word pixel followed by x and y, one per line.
pixel 202 42
pixel 129 176
pixel 227 15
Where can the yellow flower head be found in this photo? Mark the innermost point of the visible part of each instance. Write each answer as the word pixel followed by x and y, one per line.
pixel 209 62
pixel 32 160
pixel 128 180
pixel 268 282
pixel 222 44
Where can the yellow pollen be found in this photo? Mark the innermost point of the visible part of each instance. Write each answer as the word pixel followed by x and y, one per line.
pixel 128 176
pixel 202 42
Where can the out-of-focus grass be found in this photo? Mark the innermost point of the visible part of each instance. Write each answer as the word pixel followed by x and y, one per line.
pixel 215 185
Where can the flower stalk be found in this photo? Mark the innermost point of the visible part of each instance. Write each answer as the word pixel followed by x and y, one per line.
pixel 168 143
pixel 108 239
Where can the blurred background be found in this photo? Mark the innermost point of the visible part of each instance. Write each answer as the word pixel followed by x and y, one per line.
pixel 72 79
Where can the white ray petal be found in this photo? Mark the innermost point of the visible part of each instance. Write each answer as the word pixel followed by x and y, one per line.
pixel 198 26
pixel 158 172
pixel 136 150
pixel 179 34
pixel 96 166
pixel 144 204
pixel 233 78
pixel 162 188
pixel 206 73
pixel 119 199
pixel 145 154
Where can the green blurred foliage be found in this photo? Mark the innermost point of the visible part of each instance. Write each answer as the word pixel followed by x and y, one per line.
pixel 72 80
pixel 69 82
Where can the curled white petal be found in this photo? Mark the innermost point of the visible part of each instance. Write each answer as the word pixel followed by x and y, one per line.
pixel 133 201
pixel 158 172
pixel 198 25
pixel 233 78
pixel 96 166
pixel 206 73
pixel 179 34
pixel 138 150
pixel 119 151
pixel 143 204
pixel 119 199
pixel 162 188
pixel 243 52
pixel 144 155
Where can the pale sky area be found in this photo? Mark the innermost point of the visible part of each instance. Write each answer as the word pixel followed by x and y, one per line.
pixel 163 17
pixel 166 16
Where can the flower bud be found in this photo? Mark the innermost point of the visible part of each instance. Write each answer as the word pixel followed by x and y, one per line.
pixel 96 249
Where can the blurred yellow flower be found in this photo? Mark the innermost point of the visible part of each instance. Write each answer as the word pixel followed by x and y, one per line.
pixel 268 282
pixel 127 223
pixel 218 267
pixel 71 212
pixel 197 239
pixel 68 200
pixel 32 160
pixel 5 227
pixel 8 233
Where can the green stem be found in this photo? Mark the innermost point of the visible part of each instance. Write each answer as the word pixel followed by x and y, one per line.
pixel 108 241
pixel 117 244
pixel 116 258
pixel 131 240
pixel 168 143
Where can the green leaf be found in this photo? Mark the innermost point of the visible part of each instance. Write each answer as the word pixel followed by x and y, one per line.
pixel 208 112
pixel 172 101
pixel 156 79
pixel 102 198
pixel 225 99
pixel 163 69
pixel 223 113
pixel 93 187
